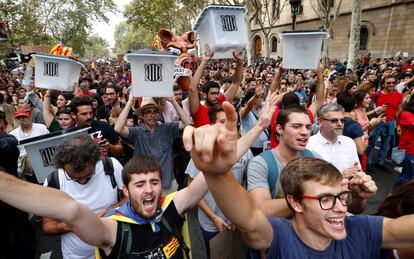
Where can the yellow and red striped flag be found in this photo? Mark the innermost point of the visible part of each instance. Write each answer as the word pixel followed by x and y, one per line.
pixel 61 50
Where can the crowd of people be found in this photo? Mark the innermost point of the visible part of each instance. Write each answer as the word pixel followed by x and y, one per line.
pixel 285 155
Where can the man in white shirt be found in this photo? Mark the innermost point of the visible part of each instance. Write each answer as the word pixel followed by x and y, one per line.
pixel 329 142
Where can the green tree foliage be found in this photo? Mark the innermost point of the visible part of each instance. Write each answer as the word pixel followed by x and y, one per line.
pixel 96 47
pixel 51 21
pixel 128 38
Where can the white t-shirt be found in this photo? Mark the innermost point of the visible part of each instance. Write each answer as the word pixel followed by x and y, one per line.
pixel 37 130
pixel 239 169
pixel 97 194
pixel 342 154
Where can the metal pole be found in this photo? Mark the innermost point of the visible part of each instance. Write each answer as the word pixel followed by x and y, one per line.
pixel 294 21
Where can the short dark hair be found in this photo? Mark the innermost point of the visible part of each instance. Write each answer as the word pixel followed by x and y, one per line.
pixel 347 101
pixel 290 99
pixel 210 84
pixel 113 87
pixel 79 150
pixel 80 101
pixel 176 87
pixel 283 116
pixel 300 170
pixel 140 165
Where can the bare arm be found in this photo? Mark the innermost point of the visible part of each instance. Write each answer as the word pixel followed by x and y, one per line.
pixel 269 206
pixel 398 233
pixel 193 98
pixel 238 75
pixel 360 145
pixel 244 111
pixel 217 221
pixel 47 108
pixel 320 92
pixel 54 227
pixel 49 202
pixel 275 85
pixel 120 122
pixel 191 195
pixel 184 120
pixel 213 150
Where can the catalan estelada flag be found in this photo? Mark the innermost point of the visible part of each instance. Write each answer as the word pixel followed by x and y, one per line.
pixel 61 50
pixel 156 41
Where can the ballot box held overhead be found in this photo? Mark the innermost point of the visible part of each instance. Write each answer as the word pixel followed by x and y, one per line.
pixel 152 73
pixel 223 28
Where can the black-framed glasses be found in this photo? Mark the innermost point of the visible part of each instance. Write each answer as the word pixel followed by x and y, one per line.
pixel 390 83
pixel 328 201
pixel 84 178
pixel 335 120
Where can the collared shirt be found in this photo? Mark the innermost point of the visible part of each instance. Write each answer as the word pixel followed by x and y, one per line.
pixel 158 144
pixel 342 154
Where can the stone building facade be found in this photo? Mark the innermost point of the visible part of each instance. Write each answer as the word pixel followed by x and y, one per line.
pixel 387 28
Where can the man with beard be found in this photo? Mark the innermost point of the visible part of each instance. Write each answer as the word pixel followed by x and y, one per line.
pixel 329 142
pixel 211 89
pixel 112 93
pixel 82 113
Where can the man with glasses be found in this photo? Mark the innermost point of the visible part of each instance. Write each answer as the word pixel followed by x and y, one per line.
pixel 392 99
pixel 112 93
pixel 329 142
pixel 82 175
pixel 151 138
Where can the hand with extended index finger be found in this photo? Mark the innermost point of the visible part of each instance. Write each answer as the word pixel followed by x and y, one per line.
pixel 213 148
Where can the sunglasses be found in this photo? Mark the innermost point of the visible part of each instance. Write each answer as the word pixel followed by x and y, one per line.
pixel 390 83
pixel 335 121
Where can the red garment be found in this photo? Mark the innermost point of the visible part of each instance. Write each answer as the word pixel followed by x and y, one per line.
pixel 394 99
pixel 90 93
pixel 273 141
pixel 406 122
pixel 201 118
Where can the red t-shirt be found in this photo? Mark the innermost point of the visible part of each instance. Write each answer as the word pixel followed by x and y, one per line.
pixel 273 141
pixel 394 99
pixel 406 122
pixel 201 118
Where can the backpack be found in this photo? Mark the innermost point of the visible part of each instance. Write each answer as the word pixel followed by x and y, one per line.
pixel 273 174
pixel 53 178
pixel 182 234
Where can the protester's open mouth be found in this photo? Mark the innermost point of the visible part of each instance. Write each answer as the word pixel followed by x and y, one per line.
pixel 337 223
pixel 302 141
pixel 148 202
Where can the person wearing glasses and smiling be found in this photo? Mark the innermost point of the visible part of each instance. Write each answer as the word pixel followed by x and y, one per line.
pixel 81 174
pixel 329 142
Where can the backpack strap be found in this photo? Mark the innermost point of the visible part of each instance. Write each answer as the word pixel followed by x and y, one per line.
pixel 126 240
pixel 53 180
pixel 177 233
pixel 306 153
pixel 273 171
pixel 109 170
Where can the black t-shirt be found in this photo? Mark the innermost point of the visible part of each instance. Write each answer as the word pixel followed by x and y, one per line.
pixel 147 244
pixel 103 130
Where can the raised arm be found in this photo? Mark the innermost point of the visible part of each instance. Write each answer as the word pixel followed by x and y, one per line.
pixel 193 98
pixel 50 202
pixel 275 85
pixel 213 150
pixel 320 92
pixel 47 108
pixel 121 121
pixel 398 233
pixel 184 119
pixel 237 78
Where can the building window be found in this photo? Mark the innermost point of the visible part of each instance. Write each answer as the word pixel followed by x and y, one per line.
pixel 300 9
pixel 363 38
pixel 274 44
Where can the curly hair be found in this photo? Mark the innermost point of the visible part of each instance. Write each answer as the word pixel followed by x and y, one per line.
pixel 79 150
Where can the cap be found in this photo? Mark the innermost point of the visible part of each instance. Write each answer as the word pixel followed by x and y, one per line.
pixel 147 103
pixel 23 112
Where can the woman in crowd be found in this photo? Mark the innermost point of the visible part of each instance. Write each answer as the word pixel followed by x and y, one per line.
pixel 9 111
pixel 62 119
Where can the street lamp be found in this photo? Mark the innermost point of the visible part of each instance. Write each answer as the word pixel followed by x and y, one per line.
pixel 295 5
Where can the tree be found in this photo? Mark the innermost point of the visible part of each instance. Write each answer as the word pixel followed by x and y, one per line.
pixel 96 47
pixel 128 37
pixel 328 12
pixel 354 38
pixel 22 25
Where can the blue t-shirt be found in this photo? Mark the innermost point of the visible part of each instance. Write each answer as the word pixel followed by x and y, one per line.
pixel 364 239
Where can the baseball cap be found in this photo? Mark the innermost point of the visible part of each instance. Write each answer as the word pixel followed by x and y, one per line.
pixel 23 112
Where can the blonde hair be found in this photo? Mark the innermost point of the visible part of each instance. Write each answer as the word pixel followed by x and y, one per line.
pixel 9 111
